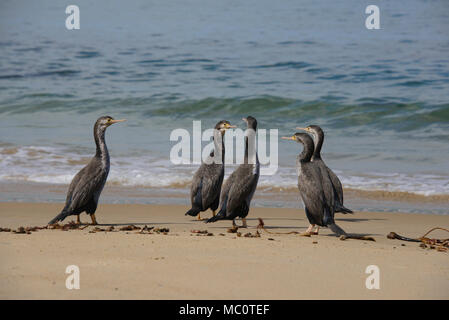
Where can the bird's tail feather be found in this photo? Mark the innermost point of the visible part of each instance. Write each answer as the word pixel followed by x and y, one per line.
pixel 336 229
pixel 193 212
pixel 59 217
pixel 343 210
pixel 219 216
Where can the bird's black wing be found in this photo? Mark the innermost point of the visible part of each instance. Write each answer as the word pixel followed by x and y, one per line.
pixel 338 193
pixel 337 185
pixel 73 184
pixel 211 184
pixel 68 208
pixel 329 198
pixel 88 188
pixel 241 191
pixel 196 187
pixel 312 193
pixel 224 194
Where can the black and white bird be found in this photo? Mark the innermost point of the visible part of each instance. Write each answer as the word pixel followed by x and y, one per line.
pixel 318 139
pixel 239 188
pixel 207 180
pixel 86 186
pixel 315 187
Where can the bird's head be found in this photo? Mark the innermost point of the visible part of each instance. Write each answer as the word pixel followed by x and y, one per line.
pixel 104 122
pixel 314 130
pixel 251 122
pixel 223 125
pixel 300 137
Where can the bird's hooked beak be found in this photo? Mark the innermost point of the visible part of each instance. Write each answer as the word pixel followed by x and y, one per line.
pixel 304 129
pixel 228 126
pixel 289 138
pixel 115 121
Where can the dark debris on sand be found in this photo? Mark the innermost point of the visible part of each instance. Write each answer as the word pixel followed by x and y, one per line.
pixel 441 245
pixel 250 235
pixel 202 233
pixel 75 226
pixel 131 227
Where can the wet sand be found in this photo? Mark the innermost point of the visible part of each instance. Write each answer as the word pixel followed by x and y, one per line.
pixel 182 265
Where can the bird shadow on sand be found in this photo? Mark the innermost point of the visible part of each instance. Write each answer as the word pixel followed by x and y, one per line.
pixel 130 223
pixel 358 219
pixel 351 234
pixel 284 227
pixel 267 219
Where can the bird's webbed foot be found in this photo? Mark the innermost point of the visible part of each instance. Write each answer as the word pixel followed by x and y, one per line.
pixel 309 231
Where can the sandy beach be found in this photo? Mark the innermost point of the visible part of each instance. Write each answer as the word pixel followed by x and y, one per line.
pixel 182 265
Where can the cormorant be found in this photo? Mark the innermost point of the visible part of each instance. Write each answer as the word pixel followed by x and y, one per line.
pixel 239 188
pixel 207 181
pixel 315 187
pixel 86 186
pixel 318 139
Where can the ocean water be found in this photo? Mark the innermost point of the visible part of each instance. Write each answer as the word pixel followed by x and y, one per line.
pixel 382 96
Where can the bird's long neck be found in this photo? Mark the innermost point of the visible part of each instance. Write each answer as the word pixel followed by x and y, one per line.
pixel 306 153
pixel 219 147
pixel 250 148
pixel 318 139
pixel 102 149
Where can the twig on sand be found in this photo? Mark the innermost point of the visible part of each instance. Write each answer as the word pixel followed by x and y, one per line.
pixel 356 237
pixel 438 244
pixel 394 235
pixel 261 226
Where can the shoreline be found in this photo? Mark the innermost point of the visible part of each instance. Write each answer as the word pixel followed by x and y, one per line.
pixel 182 265
pixel 358 200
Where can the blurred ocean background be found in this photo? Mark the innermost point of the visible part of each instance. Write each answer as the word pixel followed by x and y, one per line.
pixel 382 96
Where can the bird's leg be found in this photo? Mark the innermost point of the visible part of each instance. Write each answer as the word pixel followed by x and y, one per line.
pixel 316 230
pixel 244 225
pixel 199 216
pixel 78 220
pixel 234 227
pixel 308 231
pixel 92 216
pixel 213 213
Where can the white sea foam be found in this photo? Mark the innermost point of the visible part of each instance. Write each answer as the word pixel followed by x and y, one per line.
pixel 57 166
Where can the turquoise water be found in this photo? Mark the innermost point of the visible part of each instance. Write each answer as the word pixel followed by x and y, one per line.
pixel 382 96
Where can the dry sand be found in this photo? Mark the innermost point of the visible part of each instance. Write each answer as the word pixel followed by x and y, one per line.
pixel 181 265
